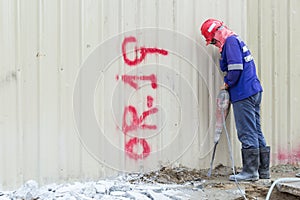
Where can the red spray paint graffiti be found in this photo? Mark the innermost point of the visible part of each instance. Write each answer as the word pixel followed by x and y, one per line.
pixel 149 101
pixel 132 80
pixel 136 122
pixel 130 113
pixel 291 157
pixel 133 143
pixel 142 50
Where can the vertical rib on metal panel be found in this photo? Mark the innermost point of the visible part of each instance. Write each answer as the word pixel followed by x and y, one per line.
pixel 30 82
pixel 294 76
pixel 8 114
pixel 277 46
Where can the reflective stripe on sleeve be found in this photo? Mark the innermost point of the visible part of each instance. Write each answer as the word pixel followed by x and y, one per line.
pixel 235 67
pixel 248 58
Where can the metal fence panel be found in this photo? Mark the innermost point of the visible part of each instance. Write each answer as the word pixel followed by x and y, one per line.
pixel 146 110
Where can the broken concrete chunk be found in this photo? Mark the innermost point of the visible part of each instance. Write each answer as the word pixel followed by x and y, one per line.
pixel 291 187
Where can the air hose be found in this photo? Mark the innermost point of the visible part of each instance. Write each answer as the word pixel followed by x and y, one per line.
pixel 278 181
pixel 231 158
pixel 223 106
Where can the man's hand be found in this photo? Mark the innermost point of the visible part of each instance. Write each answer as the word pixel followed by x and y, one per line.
pixel 224 87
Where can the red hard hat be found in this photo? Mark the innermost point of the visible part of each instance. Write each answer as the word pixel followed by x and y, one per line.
pixel 209 28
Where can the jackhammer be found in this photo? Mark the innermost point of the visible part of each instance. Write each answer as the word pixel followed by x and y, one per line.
pixel 223 106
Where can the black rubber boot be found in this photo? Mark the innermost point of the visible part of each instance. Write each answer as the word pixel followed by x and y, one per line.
pixel 250 159
pixel 264 165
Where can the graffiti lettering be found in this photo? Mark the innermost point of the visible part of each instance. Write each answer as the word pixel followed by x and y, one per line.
pixel 143 51
pixel 149 101
pixel 132 80
pixel 135 121
pixel 133 153
pixel 131 120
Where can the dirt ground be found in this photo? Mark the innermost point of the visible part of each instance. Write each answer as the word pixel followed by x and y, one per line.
pixel 217 186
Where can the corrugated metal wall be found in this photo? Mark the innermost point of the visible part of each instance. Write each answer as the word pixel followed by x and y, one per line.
pixel 273 37
pixel 43 99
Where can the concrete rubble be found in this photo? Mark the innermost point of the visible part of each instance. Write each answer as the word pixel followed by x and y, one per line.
pixel 175 183
pixel 290 187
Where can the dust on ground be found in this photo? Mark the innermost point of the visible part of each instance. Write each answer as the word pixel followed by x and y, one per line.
pixel 217 186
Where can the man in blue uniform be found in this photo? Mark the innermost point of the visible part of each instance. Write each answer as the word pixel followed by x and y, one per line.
pixel 245 95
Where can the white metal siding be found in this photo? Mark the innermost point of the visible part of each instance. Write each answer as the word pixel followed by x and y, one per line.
pixel 273 37
pixel 43 44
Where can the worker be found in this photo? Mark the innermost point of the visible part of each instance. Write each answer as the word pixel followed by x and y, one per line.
pixel 245 92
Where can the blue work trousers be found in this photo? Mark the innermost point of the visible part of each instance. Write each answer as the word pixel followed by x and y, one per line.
pixel 247 120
